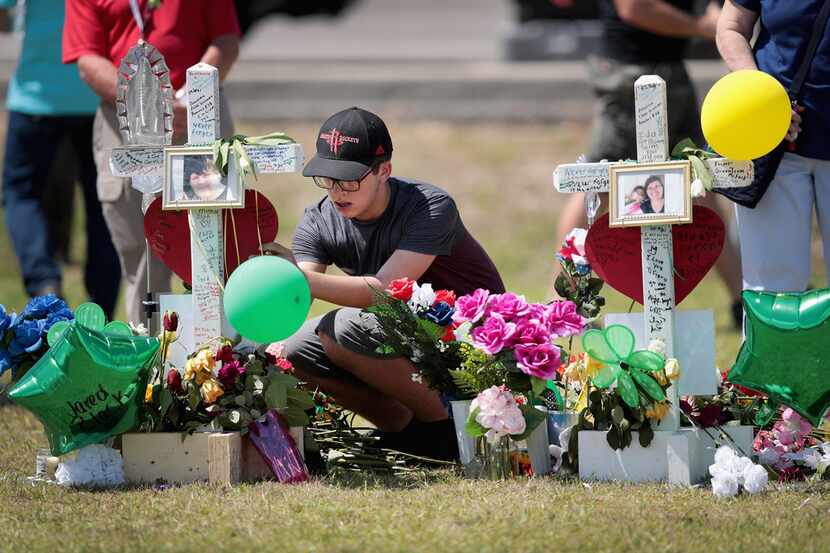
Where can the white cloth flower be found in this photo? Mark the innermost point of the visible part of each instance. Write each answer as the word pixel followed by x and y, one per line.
pixel 755 479
pixel 725 486
pixel 578 235
pixel 657 346
pixel 139 329
pixel 731 471
pixel 417 377
pixel 565 438
pixel 422 297
pixel 94 465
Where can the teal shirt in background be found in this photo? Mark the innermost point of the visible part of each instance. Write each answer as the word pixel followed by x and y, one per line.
pixel 41 84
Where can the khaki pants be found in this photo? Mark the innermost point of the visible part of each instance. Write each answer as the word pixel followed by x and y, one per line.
pixel 122 207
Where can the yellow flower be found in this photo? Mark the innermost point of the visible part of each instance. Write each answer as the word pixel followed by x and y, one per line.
pixel 592 366
pixel 657 411
pixel 211 391
pixel 148 394
pixel 672 369
pixel 200 367
pixel 660 377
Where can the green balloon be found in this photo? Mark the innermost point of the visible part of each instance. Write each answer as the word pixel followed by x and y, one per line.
pixel 88 387
pixel 784 354
pixel 91 316
pixel 267 299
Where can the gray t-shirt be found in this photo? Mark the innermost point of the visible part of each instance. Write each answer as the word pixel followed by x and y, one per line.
pixel 420 218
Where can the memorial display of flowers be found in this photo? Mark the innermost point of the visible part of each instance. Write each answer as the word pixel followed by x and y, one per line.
pixel 221 388
pixel 576 282
pixel 23 335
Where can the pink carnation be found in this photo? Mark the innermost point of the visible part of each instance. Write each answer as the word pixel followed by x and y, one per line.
pixel 531 332
pixel 277 349
pixel 508 305
pixel 563 320
pixel 539 360
pixel 494 334
pixel 498 412
pixel 792 430
pixel 470 307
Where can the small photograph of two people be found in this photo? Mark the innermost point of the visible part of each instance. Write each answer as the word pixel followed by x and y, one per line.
pixel 651 195
pixel 194 181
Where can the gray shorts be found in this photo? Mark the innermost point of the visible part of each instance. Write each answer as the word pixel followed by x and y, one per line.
pixel 351 328
pixel 614 135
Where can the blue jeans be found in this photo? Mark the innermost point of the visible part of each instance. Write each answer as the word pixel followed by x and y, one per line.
pixel 31 145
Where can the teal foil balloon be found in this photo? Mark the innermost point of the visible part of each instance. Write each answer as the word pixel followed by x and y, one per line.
pixel 784 354
pixel 88 387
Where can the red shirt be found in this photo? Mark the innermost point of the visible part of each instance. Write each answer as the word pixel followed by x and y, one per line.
pixel 181 30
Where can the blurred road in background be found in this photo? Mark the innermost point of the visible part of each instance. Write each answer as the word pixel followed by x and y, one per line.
pixel 424 59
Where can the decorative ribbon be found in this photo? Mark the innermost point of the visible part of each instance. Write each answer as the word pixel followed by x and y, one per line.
pixel 224 148
pixel 687 149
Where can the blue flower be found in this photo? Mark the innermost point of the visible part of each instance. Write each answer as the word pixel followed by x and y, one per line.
pixel 63 314
pixel 5 360
pixel 582 269
pixel 41 306
pixel 27 337
pixel 6 319
pixel 440 314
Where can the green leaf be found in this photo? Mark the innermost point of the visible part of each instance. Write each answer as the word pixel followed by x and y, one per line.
pixel 194 397
pixel 563 286
pixel 472 427
pixel 613 438
pixel 617 415
pixel 433 330
pixel 286 380
pixel 165 401
pixel 465 381
pixel 647 382
pixel 294 416
pixel 385 349
pixel 595 285
pixel 537 385
pixel 300 399
pixel 276 396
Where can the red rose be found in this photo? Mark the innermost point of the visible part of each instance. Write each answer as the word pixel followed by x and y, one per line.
pixel 174 381
pixel 446 296
pixel 449 334
pixel 401 289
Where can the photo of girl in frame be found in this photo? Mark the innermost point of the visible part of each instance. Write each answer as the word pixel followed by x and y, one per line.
pixel 192 180
pixel 651 194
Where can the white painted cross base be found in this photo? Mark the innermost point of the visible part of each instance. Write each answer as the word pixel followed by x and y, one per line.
pixel 680 458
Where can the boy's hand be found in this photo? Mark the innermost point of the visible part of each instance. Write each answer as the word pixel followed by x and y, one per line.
pixel 277 249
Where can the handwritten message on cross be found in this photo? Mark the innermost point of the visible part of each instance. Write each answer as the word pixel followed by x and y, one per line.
pixel 206 240
pixel 655 241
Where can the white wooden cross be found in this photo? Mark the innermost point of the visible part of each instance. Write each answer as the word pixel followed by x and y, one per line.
pixel 655 241
pixel 206 240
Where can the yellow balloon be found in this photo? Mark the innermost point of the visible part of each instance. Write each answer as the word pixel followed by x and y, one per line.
pixel 745 115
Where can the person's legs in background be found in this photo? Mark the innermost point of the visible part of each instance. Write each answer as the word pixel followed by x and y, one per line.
pixel 102 270
pixel 28 158
pixel 775 235
pixel 821 184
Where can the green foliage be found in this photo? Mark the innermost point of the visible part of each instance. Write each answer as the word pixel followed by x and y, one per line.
pixel 583 290
pixel 417 339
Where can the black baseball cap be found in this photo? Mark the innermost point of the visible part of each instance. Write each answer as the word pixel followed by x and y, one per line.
pixel 349 144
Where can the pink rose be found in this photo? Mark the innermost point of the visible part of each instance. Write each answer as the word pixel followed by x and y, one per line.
pixel 229 373
pixel 563 320
pixel 540 360
pixel 471 306
pixel 530 332
pixel 494 334
pixel 508 305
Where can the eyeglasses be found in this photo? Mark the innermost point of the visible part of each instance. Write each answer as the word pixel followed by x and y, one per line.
pixel 327 183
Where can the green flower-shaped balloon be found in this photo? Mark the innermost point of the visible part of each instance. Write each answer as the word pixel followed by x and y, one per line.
pixel 615 346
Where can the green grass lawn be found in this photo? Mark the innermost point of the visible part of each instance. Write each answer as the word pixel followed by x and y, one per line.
pixel 504 191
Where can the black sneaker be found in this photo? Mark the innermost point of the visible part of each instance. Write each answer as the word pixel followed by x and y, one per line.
pixel 435 440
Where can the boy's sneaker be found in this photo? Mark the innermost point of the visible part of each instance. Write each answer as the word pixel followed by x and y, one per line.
pixel 435 440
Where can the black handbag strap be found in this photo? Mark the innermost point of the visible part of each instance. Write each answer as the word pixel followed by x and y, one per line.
pixel 815 38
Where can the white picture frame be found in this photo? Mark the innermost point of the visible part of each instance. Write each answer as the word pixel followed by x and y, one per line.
pixel 650 194
pixel 203 186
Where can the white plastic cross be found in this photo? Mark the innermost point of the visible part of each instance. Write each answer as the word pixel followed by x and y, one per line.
pixel 655 241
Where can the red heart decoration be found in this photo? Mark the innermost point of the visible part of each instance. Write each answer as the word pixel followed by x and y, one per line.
pixel 615 256
pixel 168 233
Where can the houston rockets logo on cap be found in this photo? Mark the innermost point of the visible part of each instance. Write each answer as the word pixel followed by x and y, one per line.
pixel 335 139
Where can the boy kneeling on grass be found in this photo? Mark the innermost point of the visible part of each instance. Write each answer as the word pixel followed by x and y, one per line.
pixel 377 228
